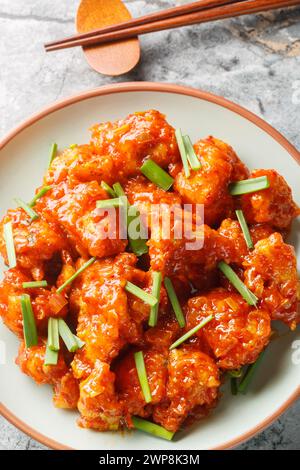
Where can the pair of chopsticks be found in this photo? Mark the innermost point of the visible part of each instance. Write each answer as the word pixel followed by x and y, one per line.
pixel 185 15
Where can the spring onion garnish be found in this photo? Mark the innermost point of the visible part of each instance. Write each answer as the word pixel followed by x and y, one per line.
pixel 119 191
pixel 53 335
pixel 246 380
pixel 191 332
pixel 108 203
pixel 53 152
pixel 236 374
pixel 174 302
pixel 141 294
pixel 142 375
pixel 10 246
pixel 79 342
pixel 245 228
pixel 156 174
pixel 29 326
pixel 151 428
pixel 73 146
pixel 67 336
pixel 249 186
pixel 34 284
pixel 32 214
pixel 80 270
pixel 51 357
pixel 39 194
pixel 237 283
pixel 156 278
pixel 190 153
pixel 108 189
pixel 234 386
pixel 183 152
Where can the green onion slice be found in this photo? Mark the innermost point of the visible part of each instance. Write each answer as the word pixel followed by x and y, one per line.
pixel 80 270
pixel 156 286
pixel 248 377
pixel 39 194
pixel 191 154
pixel 73 146
pixel 107 203
pixel 108 189
pixel 53 153
pixel 236 374
pixel 34 284
pixel 10 246
pixel 237 283
pixel 141 294
pixel 174 302
pixel 32 214
pixel 183 153
pixel 142 375
pixel 249 186
pixel 191 332
pixel 51 357
pixel 29 326
pixel 234 386
pixel 156 174
pixel 53 334
pixel 119 191
pixel 67 336
pixel 79 342
pixel 151 428
pixel 245 228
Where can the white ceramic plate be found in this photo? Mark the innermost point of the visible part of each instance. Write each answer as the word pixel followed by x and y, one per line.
pixel 23 160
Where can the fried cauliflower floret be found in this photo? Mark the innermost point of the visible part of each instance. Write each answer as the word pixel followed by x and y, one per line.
pixel 237 334
pixel 98 403
pixel 91 231
pixel 129 141
pixel 193 381
pixel 65 386
pixel 35 241
pixel 235 247
pixel 209 184
pixel 274 206
pixel 11 289
pixel 271 273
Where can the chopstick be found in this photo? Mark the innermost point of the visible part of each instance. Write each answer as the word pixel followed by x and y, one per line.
pixel 212 13
pixel 156 16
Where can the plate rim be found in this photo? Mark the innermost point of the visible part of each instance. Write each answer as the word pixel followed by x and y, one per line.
pixel 125 87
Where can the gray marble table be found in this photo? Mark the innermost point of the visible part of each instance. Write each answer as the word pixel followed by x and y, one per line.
pixel 254 61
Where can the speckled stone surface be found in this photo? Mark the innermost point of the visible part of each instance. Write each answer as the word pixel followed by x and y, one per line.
pixel 254 61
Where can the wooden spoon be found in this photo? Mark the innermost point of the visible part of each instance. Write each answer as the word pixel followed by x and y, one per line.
pixel 114 58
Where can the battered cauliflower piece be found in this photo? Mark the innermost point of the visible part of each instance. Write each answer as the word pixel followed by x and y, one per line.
pixel 65 386
pixel 209 184
pixel 98 403
pixel 274 206
pixel 271 274
pixel 36 242
pixel 237 334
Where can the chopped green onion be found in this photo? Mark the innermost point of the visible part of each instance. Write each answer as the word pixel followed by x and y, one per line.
pixel 156 286
pixel 67 336
pixel 249 186
pixel 183 152
pixel 53 153
pixel 38 195
pixel 247 379
pixel 34 284
pixel 80 270
pixel 156 174
pixel 191 332
pixel 73 146
pixel 108 203
pixel 174 302
pixel 79 342
pixel 234 386
pixel 10 246
pixel 141 294
pixel 108 189
pixel 237 283
pixel 142 375
pixel 32 214
pixel 51 357
pixel 191 154
pixel 53 335
pixel 245 228
pixel 151 428
pixel 29 326
pixel 118 189
pixel 236 374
